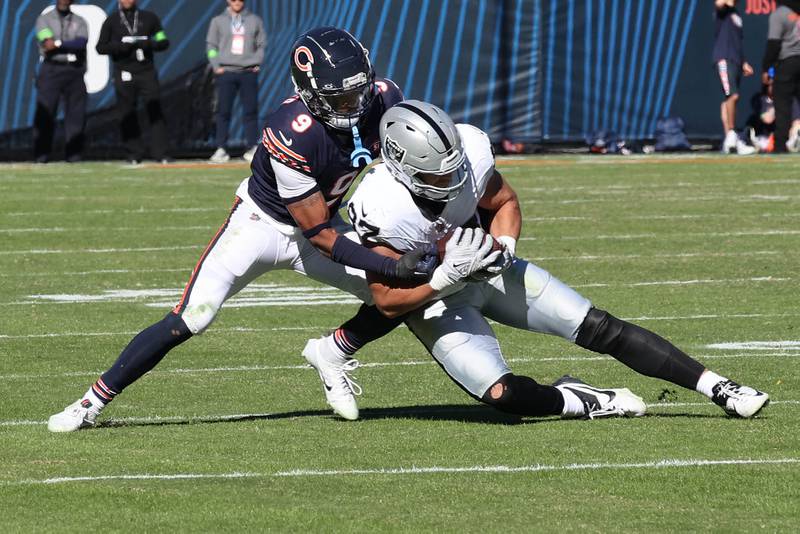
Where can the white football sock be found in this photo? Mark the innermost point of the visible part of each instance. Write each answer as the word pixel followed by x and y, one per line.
pixel 573 407
pixel 707 381
pixel 97 403
pixel 331 343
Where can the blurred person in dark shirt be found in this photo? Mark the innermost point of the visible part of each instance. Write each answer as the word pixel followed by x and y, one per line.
pixel 729 62
pixel 131 36
pixel 783 54
pixel 761 123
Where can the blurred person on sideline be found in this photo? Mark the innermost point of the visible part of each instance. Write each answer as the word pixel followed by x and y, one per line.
pixel 783 54
pixel 728 58
pixel 235 48
pixel 761 123
pixel 131 36
pixel 62 36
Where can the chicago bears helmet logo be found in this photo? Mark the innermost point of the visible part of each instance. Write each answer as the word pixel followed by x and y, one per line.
pixel 303 66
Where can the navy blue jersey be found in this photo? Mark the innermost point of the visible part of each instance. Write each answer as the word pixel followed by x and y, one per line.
pixel 728 36
pixel 293 137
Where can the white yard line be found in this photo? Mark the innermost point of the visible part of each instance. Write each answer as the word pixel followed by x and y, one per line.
pixel 688 282
pixel 662 235
pixel 113 212
pixel 537 468
pixel 534 258
pixel 368 365
pixel 132 333
pixel 96 250
pixel 756 345
pixel 565 218
pixel 664 463
pixel 617 198
pixel 105 229
pixel 257 295
pixel 684 217
pixel 97 271
pixel 603 257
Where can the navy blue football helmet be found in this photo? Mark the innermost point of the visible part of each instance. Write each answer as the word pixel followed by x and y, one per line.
pixel 332 73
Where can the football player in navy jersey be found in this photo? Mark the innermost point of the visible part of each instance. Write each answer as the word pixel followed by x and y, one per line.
pixel 285 217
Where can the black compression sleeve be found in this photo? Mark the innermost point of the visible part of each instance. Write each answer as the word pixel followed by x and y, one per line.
pixel 352 254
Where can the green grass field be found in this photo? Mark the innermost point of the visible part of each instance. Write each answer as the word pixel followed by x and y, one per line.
pixel 231 431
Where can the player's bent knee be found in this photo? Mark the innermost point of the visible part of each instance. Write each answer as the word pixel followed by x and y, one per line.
pixel 198 317
pixel 522 395
pixel 600 331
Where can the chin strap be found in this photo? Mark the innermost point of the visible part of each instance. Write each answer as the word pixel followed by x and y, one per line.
pixel 360 156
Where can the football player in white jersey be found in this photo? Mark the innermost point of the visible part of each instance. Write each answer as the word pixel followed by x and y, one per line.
pixel 433 178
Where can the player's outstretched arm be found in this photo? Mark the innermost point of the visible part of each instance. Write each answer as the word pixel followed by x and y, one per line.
pixel 393 297
pixel 467 251
pixel 313 218
pixel 501 201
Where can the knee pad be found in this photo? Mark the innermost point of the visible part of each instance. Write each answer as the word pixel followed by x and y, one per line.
pixel 600 332
pixel 522 395
pixel 198 317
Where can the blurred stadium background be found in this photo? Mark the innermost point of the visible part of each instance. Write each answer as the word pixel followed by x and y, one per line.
pixel 532 71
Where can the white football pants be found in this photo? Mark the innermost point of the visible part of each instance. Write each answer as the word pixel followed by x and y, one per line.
pixel 456 333
pixel 249 245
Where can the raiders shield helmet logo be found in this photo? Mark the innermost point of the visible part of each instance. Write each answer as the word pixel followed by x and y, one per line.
pixel 394 150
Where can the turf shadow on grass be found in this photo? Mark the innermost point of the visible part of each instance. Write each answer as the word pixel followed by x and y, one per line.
pixel 442 412
pixel 455 412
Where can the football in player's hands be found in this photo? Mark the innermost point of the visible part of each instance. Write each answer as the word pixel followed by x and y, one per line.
pixel 441 244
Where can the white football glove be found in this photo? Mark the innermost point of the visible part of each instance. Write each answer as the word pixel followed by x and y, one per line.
pixel 468 250
pixel 501 264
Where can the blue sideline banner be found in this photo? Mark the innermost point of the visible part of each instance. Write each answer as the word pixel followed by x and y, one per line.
pixel 528 70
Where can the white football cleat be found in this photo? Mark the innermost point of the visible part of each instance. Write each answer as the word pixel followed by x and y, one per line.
pixel 793 144
pixel 602 402
pixel 737 400
pixel 729 144
pixel 743 149
pixel 220 156
pixel 340 388
pixel 250 154
pixel 79 414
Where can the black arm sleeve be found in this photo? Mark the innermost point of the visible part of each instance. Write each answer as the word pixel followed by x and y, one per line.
pixel 771 54
pixel 352 254
pixel 104 40
pixel 104 44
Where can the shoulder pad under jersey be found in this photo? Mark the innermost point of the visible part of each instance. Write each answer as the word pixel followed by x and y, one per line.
pixel 378 220
pixel 389 91
pixel 293 136
pixel 478 148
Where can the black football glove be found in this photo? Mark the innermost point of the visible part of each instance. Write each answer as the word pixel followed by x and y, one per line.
pixel 417 264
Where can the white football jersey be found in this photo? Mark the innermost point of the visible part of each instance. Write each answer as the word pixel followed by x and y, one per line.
pixel 383 210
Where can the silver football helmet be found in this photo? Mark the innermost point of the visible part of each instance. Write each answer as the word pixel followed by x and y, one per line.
pixel 416 138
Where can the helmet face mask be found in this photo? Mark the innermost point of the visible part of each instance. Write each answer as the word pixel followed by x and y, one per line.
pixel 420 144
pixel 333 76
pixel 421 183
